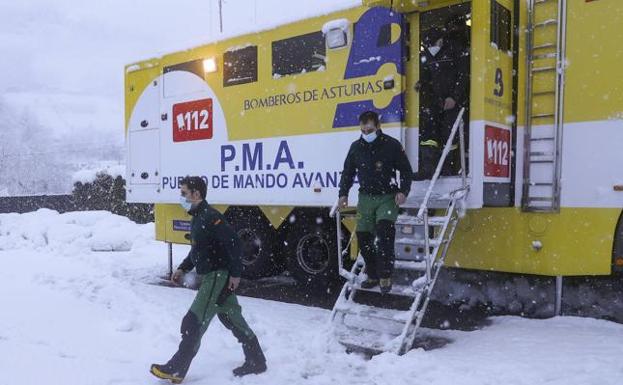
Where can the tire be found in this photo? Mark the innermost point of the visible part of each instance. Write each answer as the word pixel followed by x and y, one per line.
pixel 311 250
pixel 617 248
pixel 258 241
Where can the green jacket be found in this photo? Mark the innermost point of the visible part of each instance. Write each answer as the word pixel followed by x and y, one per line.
pixel 376 164
pixel 215 245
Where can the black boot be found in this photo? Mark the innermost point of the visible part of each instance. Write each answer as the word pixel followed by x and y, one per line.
pixel 166 372
pixel 369 283
pixel 255 362
pixel 369 253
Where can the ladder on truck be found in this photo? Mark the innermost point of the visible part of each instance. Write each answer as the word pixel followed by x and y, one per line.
pixel 545 82
pixel 373 329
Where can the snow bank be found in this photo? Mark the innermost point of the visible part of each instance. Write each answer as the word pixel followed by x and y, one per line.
pixel 72 232
pixel 93 318
pixel 88 175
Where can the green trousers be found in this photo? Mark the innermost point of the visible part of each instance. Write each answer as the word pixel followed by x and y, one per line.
pixel 213 298
pixel 376 215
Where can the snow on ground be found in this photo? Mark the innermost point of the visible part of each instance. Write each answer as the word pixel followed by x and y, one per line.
pixel 71 315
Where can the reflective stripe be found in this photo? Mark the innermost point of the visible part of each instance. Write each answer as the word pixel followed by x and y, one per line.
pixel 430 142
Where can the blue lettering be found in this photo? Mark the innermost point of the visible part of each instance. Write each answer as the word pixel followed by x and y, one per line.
pixel 252 161
pixel 228 153
pixel 283 156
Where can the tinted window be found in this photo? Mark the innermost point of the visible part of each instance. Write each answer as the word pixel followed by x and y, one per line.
pixel 295 55
pixel 240 66
pixel 500 26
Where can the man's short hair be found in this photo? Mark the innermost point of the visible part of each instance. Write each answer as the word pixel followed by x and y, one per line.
pixel 369 116
pixel 195 183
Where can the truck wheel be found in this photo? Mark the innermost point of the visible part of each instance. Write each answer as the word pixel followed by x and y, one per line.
pixel 258 239
pixel 617 249
pixel 311 249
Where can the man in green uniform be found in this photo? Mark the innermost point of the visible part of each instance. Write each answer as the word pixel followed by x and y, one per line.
pixel 215 253
pixel 375 158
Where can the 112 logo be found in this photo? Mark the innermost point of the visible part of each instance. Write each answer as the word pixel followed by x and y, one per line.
pixel 192 120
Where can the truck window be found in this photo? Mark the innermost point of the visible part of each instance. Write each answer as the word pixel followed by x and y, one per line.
pixel 299 54
pixel 240 66
pixel 500 26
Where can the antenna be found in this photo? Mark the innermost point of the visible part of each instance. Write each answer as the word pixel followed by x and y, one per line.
pixel 220 13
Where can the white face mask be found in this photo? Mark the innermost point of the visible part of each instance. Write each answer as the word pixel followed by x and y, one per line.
pixel 185 204
pixel 369 137
pixel 434 50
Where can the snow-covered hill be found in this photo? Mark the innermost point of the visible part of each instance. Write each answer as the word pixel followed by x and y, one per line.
pixel 61 89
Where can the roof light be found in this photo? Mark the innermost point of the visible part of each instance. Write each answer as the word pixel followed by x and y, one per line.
pixel 336 38
pixel 209 65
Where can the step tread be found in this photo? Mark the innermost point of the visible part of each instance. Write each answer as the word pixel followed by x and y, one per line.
pixel 366 340
pixel 415 221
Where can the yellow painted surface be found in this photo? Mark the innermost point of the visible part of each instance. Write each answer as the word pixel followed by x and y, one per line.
pixel 276 214
pixel 137 78
pixel 594 85
pixel 575 242
pixel 164 215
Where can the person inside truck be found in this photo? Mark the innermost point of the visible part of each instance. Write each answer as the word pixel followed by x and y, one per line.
pixel 443 89
pixel 374 158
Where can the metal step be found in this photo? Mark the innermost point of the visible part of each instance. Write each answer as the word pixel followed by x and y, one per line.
pixel 367 341
pixel 415 221
pixel 365 311
pixel 540 93
pixel 420 242
pixel 435 202
pixel 542 161
pixel 542 69
pixel 544 46
pixel 399 290
pixel 541 153
pixel 541 116
pixel 546 23
pixel 410 265
pixel 552 55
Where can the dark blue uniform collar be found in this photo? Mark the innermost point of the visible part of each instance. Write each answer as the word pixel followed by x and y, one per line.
pixel 195 210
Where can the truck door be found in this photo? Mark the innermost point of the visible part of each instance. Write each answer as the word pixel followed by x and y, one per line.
pixel 143 145
pixel 426 85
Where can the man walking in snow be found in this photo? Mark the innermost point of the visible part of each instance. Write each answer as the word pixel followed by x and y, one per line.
pixel 215 253
pixel 375 158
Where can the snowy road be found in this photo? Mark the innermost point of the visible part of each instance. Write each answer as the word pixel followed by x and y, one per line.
pixel 74 316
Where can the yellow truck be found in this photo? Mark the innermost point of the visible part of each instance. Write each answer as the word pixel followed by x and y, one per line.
pixel 267 118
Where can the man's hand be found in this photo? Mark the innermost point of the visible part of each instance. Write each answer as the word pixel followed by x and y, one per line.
pixel 400 199
pixel 449 104
pixel 342 202
pixel 177 276
pixel 233 283
pixel 418 86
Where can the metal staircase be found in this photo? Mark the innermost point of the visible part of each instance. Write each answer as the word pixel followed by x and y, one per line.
pixel 545 82
pixel 422 242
